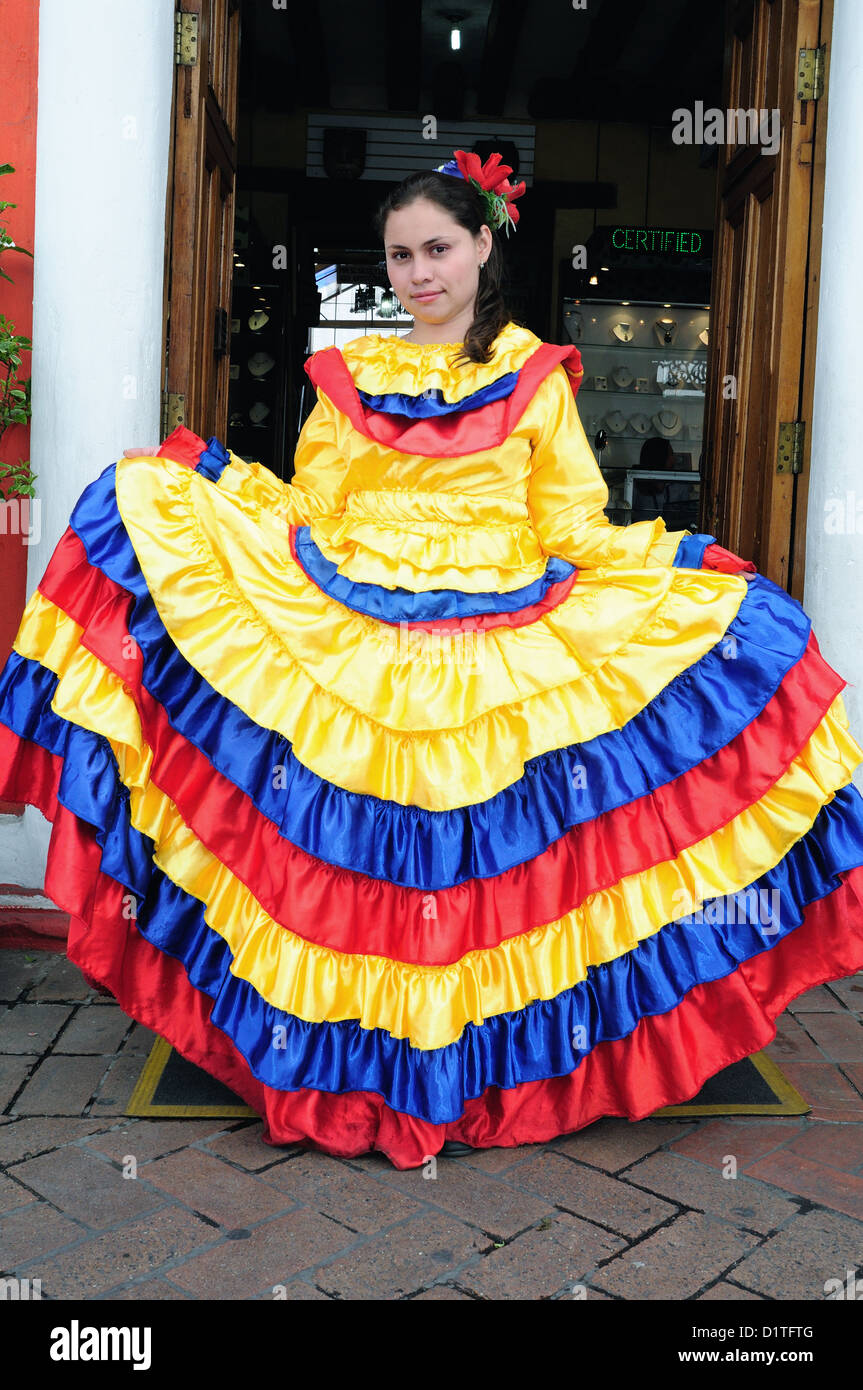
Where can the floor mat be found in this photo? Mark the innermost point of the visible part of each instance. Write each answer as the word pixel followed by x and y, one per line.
pixel 169 1086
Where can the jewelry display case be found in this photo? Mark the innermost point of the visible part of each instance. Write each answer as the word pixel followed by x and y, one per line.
pixel 641 403
pixel 256 390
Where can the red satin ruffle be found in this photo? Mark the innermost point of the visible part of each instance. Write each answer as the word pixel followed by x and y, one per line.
pixel 479 913
pixel 447 436
pixel 664 1061
pixel 716 557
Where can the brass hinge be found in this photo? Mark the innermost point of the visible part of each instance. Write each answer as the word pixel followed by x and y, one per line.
pixel 810 73
pixel 173 412
pixel 185 39
pixel 789 456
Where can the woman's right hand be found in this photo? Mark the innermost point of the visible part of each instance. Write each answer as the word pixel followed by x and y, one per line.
pixel 139 453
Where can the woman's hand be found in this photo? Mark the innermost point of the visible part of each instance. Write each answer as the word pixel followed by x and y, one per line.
pixel 139 453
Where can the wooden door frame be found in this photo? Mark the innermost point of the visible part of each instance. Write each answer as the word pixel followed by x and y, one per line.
pixel 204 145
pixel 755 509
pixel 800 512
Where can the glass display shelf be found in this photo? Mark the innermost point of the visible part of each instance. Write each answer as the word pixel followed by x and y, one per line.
pixel 641 402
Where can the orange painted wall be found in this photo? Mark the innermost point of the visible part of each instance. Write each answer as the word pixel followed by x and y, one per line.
pixel 19 55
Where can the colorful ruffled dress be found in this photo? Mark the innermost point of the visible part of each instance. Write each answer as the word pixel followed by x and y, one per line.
pixel 413 799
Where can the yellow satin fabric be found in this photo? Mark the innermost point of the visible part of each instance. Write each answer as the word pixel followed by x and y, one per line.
pixel 566 494
pixel 384 363
pixel 420 523
pixel 415 719
pixel 433 540
pixel 431 1005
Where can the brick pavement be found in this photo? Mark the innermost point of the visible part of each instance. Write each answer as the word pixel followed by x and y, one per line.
pixel 98 1205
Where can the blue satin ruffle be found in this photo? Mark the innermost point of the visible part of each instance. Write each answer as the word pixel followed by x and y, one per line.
pixel 690 552
pixel 432 403
pixel 504 828
pixel 505 1050
pixel 215 457
pixel 362 597
pixel 695 715
pixel 404 605
pixel 213 460
pixel 90 785
pixel 530 1044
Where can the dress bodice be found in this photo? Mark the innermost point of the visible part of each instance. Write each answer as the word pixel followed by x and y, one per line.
pixel 421 471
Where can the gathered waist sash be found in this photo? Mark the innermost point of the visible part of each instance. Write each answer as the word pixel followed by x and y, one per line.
pixel 457 509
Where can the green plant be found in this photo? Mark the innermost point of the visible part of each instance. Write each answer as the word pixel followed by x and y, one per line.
pixel 15 408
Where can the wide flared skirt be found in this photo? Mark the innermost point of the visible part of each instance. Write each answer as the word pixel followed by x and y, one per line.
pixel 398 868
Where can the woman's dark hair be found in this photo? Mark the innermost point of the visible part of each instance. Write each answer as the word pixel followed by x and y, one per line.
pixel 461 200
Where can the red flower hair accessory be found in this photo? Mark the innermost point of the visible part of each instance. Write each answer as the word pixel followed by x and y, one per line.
pixel 491 180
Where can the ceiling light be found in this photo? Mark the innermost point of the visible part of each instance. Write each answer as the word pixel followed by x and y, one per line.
pixel 455 19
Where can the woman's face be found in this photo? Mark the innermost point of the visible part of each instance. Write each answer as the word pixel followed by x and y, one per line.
pixel 433 262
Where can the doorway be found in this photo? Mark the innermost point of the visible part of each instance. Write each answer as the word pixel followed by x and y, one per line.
pixel 335 102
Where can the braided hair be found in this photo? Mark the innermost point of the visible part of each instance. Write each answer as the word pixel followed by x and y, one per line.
pixel 465 205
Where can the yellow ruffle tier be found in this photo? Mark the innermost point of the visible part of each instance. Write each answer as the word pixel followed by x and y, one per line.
pixel 483 521
pixel 420 720
pixel 431 1005
pixel 425 540
pixel 382 364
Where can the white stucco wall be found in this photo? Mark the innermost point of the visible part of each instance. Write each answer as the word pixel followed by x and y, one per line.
pixel 833 592
pixel 103 137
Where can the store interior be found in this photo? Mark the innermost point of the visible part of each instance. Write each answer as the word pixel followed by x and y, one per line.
pixel 337 101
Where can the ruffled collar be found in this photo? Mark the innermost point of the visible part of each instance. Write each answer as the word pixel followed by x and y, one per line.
pixel 383 365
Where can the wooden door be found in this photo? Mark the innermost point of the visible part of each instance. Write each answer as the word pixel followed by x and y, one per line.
pixel 767 252
pixel 200 217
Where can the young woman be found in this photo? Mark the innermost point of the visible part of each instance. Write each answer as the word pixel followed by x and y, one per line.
pixel 413 799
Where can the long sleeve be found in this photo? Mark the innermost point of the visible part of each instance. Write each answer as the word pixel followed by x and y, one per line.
pixel 321 463
pixel 567 494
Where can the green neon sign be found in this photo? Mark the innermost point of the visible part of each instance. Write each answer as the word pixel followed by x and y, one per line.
pixel 656 239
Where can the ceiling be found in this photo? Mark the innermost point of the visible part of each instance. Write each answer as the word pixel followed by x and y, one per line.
pixel 614 60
